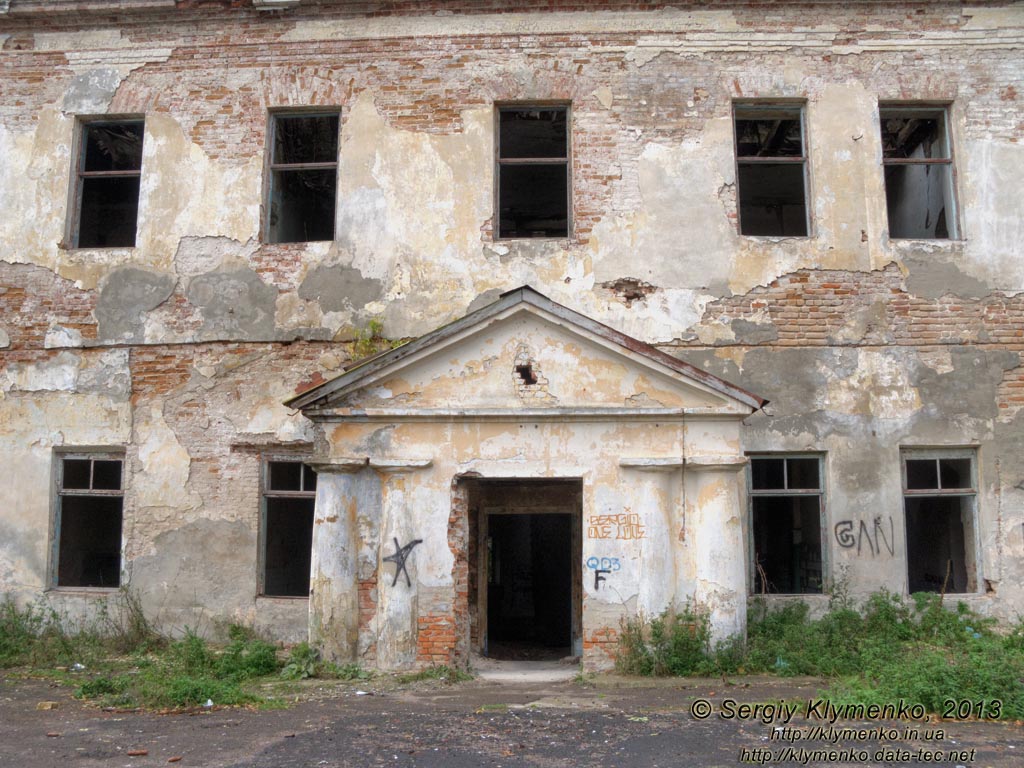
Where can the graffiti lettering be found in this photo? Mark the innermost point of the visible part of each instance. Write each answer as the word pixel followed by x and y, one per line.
pixel 598 578
pixel 606 564
pixel 850 534
pixel 399 558
pixel 624 526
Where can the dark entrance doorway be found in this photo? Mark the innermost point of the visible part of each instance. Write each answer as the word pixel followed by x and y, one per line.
pixel 528 585
pixel 529 591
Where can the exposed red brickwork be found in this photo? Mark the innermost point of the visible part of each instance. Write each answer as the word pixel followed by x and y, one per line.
pixel 458 544
pixel 436 640
pixel 810 308
pixel 1010 394
pixel 600 646
pixel 158 370
pixel 33 300
pixel 367 613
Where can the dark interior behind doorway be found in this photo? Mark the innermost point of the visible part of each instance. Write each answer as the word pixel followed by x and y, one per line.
pixel 529 589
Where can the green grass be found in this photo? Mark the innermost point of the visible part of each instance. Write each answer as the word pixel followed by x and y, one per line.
pixel 888 649
pixel 118 659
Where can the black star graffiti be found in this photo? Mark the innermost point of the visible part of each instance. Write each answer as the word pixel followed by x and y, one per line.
pixel 399 558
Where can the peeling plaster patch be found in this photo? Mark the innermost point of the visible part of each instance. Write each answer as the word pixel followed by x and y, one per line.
pixel 879 388
pixel 5 340
pixel 746 332
pixel 234 304
pixel 939 360
pixel 931 276
pixel 127 294
pixel 867 325
pixel 59 337
pixel 993 219
pixel 58 374
pixel 340 287
pixel 164 464
pixel 176 572
pixel 968 389
pixel 629 289
pixel 198 255
pixel 106 373
pixel 91 92
pixel 678 190
pixel 643 400
pixel 484 299
pixel 604 96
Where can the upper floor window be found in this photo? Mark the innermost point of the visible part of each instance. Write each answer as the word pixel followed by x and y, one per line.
pixel 918 165
pixel 87 524
pixel 533 171
pixel 303 177
pixel 771 164
pixel 786 509
pixel 108 171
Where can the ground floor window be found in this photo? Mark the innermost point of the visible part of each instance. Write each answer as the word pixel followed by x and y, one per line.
pixel 786 507
pixel 289 496
pixel 87 523
pixel 939 492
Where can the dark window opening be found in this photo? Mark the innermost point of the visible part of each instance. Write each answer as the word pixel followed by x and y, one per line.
pixel 939 498
pixel 108 181
pixel 786 510
pixel 533 172
pixel 771 171
pixel 526 374
pixel 918 172
pixel 303 178
pixel 289 500
pixel 90 508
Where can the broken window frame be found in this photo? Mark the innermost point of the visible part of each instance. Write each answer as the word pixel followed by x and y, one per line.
pixel 81 142
pixel 511 162
pixel 268 493
pixel 941 111
pixel 61 493
pixel 746 110
pixel 786 491
pixel 971 543
pixel 274 168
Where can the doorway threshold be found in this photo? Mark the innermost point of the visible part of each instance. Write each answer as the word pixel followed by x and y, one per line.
pixel 519 671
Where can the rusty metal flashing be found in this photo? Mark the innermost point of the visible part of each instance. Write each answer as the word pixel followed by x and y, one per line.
pixel 364 373
pixel 675 415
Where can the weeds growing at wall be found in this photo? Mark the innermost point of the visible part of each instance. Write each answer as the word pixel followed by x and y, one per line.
pixel 118 659
pixel 888 649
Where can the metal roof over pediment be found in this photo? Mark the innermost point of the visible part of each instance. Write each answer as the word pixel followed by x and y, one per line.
pixel 371 370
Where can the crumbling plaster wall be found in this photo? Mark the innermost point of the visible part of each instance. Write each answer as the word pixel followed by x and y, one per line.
pixel 179 348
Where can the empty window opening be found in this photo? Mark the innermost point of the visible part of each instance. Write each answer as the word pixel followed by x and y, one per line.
pixel 939 502
pixel 533 172
pixel 90 504
pixel 303 177
pixel 771 170
pixel 289 498
pixel 918 172
pixel 526 374
pixel 109 170
pixel 786 503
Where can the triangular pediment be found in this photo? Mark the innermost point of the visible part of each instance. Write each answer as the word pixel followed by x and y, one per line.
pixel 525 354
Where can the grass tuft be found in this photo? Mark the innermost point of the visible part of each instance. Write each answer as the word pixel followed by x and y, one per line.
pixel 919 650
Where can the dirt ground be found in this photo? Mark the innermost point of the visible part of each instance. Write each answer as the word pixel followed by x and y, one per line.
pixel 605 722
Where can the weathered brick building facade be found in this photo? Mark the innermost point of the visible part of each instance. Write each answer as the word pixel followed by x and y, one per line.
pixel 210 209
